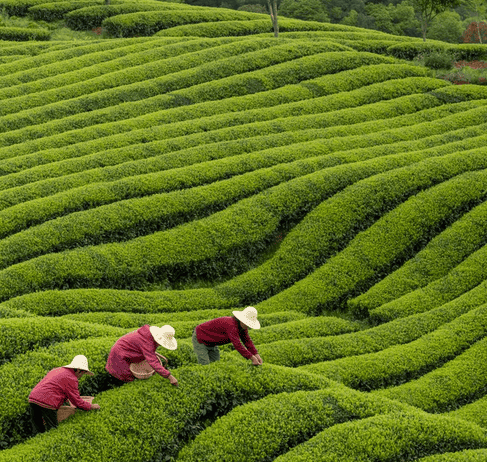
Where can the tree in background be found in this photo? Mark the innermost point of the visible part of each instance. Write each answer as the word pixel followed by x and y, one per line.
pixel 429 9
pixel 307 10
pixel 273 12
pixel 446 27
pixel 478 7
pixel 476 32
pixel 394 19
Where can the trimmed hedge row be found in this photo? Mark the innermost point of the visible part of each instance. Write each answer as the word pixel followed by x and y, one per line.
pixel 60 302
pixel 399 331
pixel 473 412
pixel 255 228
pixel 157 76
pixel 57 10
pixel 458 382
pixel 214 389
pixel 130 218
pixel 401 363
pixel 227 71
pixel 346 122
pixel 49 57
pixel 412 49
pixel 93 16
pixel 148 23
pixel 325 85
pixel 105 63
pixel 459 280
pixel 25 334
pixel 472 455
pixel 439 256
pixel 23 33
pixel 273 425
pixel 397 436
pixel 133 320
pixel 248 27
pixel 322 232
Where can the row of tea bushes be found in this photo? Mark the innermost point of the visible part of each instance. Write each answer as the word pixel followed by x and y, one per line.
pixel 458 382
pixel 356 208
pixel 400 331
pixel 262 436
pixel 403 111
pixel 105 63
pixel 57 10
pixel 411 50
pixel 289 145
pixel 248 27
pixel 324 85
pixel 395 436
pixel 93 16
pixel 471 455
pixel 160 75
pixel 26 334
pixel 218 387
pixel 279 272
pixel 85 265
pixel 24 33
pixel 53 56
pixel 439 256
pixel 229 82
pixel 460 279
pixel 148 23
pixel 402 363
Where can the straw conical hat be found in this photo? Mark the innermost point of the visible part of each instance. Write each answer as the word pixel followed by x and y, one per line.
pixel 164 336
pixel 80 362
pixel 248 317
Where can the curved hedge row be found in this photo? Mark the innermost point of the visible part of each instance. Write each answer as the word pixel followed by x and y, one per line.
pixel 219 386
pixel 401 363
pixel 148 23
pixel 473 412
pixel 458 382
pixel 472 455
pixel 403 111
pixel 397 436
pixel 285 202
pixel 106 64
pixel 264 436
pixel 230 83
pixel 357 207
pixel 93 16
pixel 410 50
pixel 459 280
pixel 57 10
pixel 23 33
pixel 326 85
pixel 441 255
pixel 248 27
pixel 158 76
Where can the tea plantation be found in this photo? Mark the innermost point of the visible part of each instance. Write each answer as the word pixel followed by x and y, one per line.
pixel 187 164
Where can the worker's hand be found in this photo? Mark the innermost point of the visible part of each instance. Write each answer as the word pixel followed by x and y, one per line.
pixel 95 406
pixel 259 359
pixel 255 361
pixel 173 380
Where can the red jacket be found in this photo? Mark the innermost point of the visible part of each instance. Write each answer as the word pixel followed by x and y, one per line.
pixel 55 388
pixel 134 347
pixel 224 330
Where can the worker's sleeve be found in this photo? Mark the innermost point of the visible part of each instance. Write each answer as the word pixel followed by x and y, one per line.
pixel 151 358
pixel 235 339
pixel 73 396
pixel 248 342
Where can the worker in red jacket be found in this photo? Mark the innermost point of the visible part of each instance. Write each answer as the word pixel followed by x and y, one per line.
pixel 54 389
pixel 219 331
pixel 140 345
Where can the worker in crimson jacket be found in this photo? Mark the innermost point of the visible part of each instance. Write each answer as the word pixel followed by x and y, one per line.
pixel 219 331
pixel 138 346
pixel 54 389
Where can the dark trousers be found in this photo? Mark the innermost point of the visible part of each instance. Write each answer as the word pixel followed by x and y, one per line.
pixel 37 413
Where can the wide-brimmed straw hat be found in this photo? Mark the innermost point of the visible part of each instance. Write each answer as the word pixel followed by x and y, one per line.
pixel 164 336
pixel 80 362
pixel 248 317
